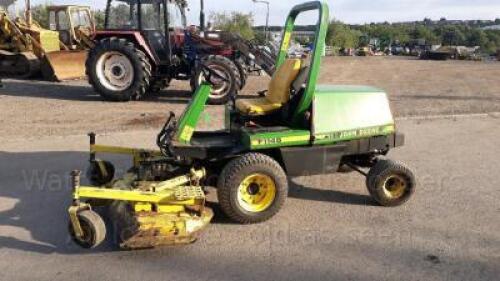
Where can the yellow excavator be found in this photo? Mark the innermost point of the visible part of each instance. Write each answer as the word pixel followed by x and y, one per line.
pixel 28 50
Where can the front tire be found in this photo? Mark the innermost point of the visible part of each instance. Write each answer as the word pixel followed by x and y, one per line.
pixel 117 70
pixel 100 172
pixel 222 91
pixel 390 183
pixel 252 188
pixel 94 230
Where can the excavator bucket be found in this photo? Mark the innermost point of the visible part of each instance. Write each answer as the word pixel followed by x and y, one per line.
pixel 64 65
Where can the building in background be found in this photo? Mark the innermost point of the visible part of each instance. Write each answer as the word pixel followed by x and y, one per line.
pixel 492 27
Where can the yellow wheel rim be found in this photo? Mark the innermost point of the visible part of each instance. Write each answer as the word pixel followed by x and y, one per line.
pixel 256 193
pixel 394 186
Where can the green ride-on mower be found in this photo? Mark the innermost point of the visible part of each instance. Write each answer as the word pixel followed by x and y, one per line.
pixel 297 128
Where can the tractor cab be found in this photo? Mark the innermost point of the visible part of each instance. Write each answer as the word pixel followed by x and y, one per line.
pixel 72 22
pixel 157 20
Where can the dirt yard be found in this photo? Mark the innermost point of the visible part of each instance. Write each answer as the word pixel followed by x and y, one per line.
pixel 32 109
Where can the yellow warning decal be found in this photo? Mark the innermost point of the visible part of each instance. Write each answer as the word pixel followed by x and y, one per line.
pixel 187 134
pixel 286 41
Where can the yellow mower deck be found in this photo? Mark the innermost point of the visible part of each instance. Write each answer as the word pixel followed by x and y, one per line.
pixel 148 214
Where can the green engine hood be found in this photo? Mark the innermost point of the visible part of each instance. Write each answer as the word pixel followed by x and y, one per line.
pixel 350 112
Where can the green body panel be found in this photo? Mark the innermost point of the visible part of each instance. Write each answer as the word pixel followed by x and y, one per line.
pixel 339 113
pixel 284 138
pixel 189 120
pixel 343 113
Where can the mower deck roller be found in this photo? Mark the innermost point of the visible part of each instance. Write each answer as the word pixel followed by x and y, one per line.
pixel 64 65
pixel 143 214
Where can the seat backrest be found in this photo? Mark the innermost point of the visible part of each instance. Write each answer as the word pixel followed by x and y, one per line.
pixel 279 87
pixel 300 82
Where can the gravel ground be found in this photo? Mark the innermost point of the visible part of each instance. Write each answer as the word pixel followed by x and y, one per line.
pixel 34 109
pixel 329 229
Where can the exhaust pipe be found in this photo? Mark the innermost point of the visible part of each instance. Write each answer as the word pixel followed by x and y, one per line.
pixel 202 15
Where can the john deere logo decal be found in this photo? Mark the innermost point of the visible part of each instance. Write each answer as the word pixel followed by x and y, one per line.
pixel 187 134
pixel 353 134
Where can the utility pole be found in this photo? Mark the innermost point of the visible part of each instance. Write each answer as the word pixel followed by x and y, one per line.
pixel 202 15
pixel 27 14
pixel 266 30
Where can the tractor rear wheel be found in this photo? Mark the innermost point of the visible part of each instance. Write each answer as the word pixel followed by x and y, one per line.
pixel 117 70
pixel 243 72
pixel 222 91
pixel 252 188
pixel 390 183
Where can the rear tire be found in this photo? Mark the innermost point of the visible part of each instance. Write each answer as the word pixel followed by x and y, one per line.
pixel 222 93
pixel 243 72
pixel 117 70
pixel 252 188
pixel 390 183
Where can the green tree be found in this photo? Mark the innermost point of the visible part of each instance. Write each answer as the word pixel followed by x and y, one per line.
pixel 477 37
pixel 234 22
pixel 99 17
pixel 451 35
pixel 119 16
pixel 423 32
pixel 260 37
pixel 40 14
pixel 493 41
pixel 342 36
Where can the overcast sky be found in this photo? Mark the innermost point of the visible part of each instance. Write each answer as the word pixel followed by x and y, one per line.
pixel 350 11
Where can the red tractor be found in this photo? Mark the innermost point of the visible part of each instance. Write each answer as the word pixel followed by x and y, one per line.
pixel 147 43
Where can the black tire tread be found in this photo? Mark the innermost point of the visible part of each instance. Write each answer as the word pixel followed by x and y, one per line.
pixel 381 168
pixel 243 73
pixel 98 227
pixel 235 73
pixel 139 88
pixel 234 168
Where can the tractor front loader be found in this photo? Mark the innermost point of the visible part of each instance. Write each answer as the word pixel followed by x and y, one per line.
pixel 297 128
pixel 27 50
